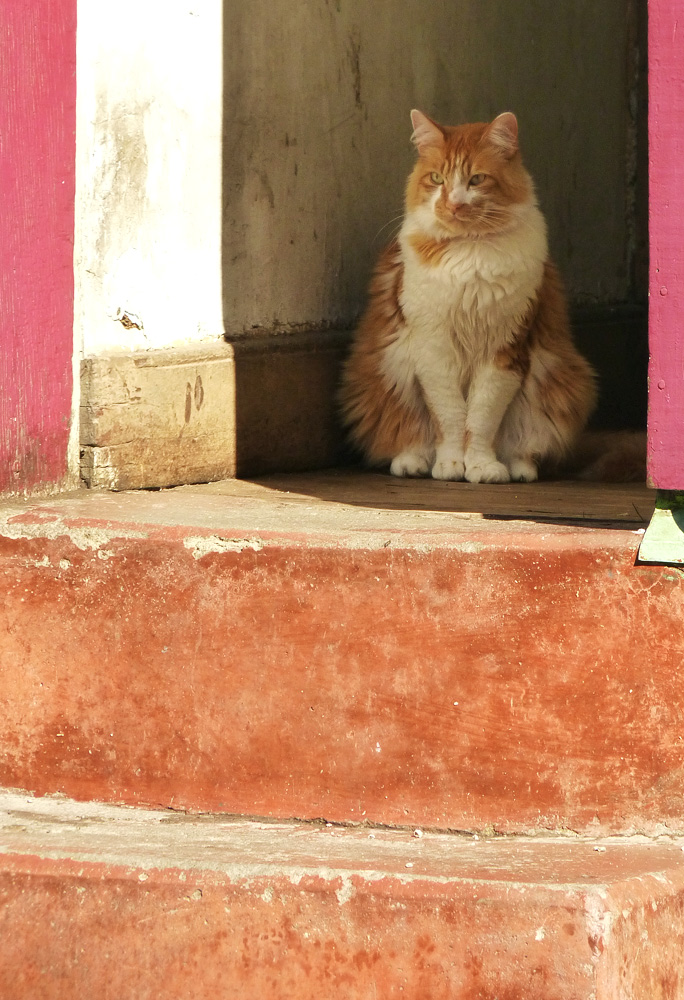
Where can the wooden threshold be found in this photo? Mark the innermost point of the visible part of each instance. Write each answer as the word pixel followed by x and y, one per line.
pixel 622 504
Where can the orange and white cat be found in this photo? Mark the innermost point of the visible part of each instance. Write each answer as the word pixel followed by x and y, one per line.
pixel 463 366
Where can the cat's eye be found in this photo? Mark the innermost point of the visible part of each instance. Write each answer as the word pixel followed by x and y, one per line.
pixel 436 178
pixel 476 180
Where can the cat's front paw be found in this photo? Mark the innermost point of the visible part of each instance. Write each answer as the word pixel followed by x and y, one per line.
pixel 487 471
pixel 448 465
pixel 523 470
pixel 410 463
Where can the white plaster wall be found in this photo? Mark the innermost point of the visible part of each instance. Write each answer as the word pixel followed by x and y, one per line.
pixel 148 199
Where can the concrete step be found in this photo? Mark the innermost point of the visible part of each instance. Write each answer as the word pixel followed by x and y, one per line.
pixel 347 647
pixel 109 902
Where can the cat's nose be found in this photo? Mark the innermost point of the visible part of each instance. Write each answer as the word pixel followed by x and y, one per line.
pixel 454 206
pixel 456 200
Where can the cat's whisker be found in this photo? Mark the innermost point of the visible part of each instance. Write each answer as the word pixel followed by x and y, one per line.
pixel 396 221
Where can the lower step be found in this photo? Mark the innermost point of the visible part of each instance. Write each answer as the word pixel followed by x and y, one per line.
pixel 110 902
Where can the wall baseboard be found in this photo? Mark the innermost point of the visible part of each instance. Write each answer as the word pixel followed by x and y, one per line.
pixel 256 404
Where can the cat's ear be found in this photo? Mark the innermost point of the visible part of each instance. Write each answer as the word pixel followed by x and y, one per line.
pixel 426 133
pixel 503 133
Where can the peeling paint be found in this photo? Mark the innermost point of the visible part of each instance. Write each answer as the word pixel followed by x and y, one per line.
pixel 471 548
pixel 39 563
pixel 82 537
pixel 204 545
pixel 599 921
pixel 346 892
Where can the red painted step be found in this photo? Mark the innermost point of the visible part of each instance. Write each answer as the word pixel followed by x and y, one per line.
pixel 240 649
pixel 109 902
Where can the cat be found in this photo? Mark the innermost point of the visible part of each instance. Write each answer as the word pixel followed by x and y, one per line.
pixel 463 366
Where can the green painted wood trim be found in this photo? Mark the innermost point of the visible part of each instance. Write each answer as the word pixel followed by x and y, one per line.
pixel 663 541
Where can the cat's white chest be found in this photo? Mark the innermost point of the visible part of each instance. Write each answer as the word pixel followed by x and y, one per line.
pixel 475 288
pixel 460 309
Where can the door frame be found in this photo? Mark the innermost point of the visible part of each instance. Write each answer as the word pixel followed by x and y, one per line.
pixel 666 235
pixel 37 184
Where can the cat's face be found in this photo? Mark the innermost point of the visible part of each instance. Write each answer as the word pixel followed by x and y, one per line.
pixel 469 180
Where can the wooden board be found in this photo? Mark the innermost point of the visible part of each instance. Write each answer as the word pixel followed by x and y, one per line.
pixel 201 413
pixel 158 418
pixel 37 178
pixel 666 304
pixel 622 503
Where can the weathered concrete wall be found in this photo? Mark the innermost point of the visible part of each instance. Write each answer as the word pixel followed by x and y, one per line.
pixel 317 136
pixel 241 164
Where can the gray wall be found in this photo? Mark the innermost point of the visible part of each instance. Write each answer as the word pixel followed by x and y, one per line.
pixel 317 96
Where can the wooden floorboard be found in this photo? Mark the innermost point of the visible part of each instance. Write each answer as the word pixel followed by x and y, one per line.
pixel 624 503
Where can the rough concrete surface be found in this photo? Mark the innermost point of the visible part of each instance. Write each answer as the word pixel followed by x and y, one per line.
pixel 117 902
pixel 240 653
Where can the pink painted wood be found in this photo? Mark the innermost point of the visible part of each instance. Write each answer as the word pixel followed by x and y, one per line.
pixel 666 196
pixel 37 169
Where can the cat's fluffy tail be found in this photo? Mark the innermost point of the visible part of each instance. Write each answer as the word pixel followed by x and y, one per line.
pixel 609 457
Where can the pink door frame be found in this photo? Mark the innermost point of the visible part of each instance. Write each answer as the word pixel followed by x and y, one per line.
pixel 666 231
pixel 37 179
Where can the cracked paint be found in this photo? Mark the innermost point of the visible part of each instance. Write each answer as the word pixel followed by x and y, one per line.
pixel 84 538
pixel 204 545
